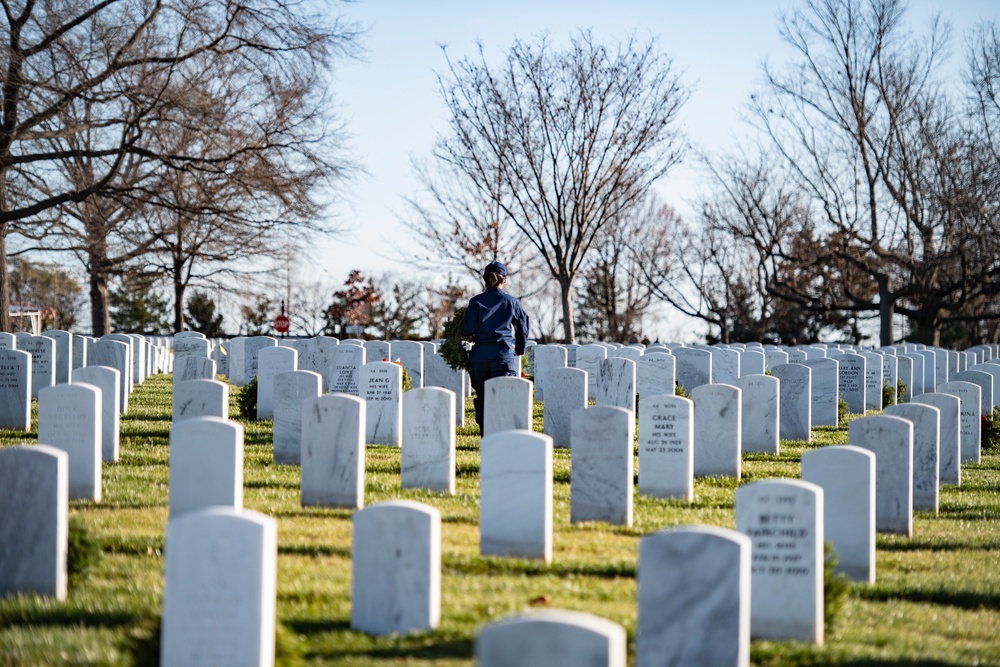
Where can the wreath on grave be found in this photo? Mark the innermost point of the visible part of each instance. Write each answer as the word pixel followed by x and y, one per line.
pixel 452 348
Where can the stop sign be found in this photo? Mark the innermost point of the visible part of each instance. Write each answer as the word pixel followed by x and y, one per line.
pixel 281 324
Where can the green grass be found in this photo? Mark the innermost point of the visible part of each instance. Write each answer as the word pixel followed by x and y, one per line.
pixel 936 600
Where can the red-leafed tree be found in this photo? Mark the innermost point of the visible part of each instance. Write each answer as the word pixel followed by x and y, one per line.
pixel 352 305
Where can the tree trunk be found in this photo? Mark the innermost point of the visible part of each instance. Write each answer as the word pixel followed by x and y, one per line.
pixel 886 311
pixel 178 304
pixel 929 328
pixel 565 293
pixel 100 314
pixel 5 319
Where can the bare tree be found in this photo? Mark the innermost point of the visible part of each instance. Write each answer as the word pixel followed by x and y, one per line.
pixel 872 140
pixel 561 143
pixel 461 227
pixel 627 268
pixel 89 82
pixel 750 265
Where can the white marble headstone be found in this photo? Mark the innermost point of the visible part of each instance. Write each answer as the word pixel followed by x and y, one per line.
pixel 853 385
pixel 874 373
pixel 666 447
pixel 752 362
pixel 318 357
pixel 693 591
pixel 62 361
pixel 970 424
pixel 847 476
pixel 191 346
pixel 382 390
pixel 992 369
pixel 926 451
pixel 410 353
pixel 200 398
pixel 916 377
pixel 601 471
pixel 15 389
pixel 656 374
pixel 794 401
pixel 949 433
pixel 587 359
pixel 507 405
pixel 725 366
pixel 377 351
pixel 515 488
pixel 891 440
pixel 427 459
pixel 193 367
pixel 69 418
pixel 271 361
pixel 718 429
pixel 775 357
pixel 615 385
pixel 694 367
pixel 117 355
pixel 236 365
pixel 568 394
pixel 43 351
pixel 251 349
pixel 546 358
pixel 396 568
pixel 34 500
pixel 108 380
pixel 347 362
pixel 206 465
pixel 784 521
pixel 291 390
pixel 761 416
pixel 551 637
pixel 437 373
pixel 219 589
pixel 824 387
pixel 890 374
pixel 333 451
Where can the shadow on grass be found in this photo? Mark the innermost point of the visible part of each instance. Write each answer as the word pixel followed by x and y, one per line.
pixel 466 520
pixel 924 545
pixel 480 566
pixel 780 654
pixel 314 550
pixel 972 514
pixel 268 484
pixel 467 470
pixel 314 512
pixel 51 616
pixel 971 600
pixel 149 416
pixel 135 546
pixel 405 651
pixel 160 435
pixel 115 504
pixel 313 626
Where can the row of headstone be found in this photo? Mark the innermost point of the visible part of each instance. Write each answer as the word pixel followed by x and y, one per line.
pixel 920 368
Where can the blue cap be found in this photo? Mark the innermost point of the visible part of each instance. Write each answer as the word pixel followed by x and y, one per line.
pixel 495 267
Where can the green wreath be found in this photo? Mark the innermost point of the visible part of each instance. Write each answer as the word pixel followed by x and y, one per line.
pixel 452 348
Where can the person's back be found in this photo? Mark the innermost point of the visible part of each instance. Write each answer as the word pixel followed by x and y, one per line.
pixel 498 327
pixel 492 315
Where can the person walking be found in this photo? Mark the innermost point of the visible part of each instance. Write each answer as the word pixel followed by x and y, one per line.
pixel 498 326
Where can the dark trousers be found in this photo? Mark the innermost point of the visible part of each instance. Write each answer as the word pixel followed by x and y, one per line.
pixel 480 372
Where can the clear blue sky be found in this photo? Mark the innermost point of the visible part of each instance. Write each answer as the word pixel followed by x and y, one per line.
pixel 390 102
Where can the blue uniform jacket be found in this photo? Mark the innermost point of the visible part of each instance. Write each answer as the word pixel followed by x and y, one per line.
pixel 498 325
